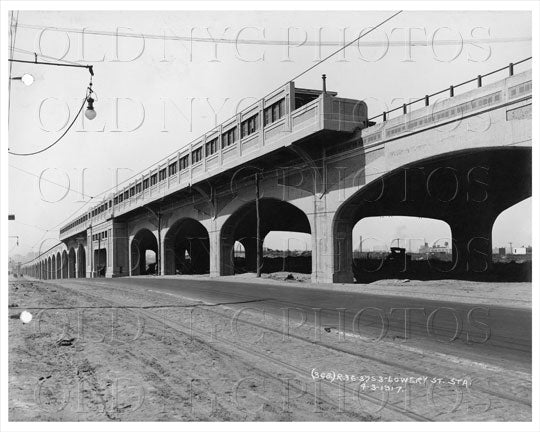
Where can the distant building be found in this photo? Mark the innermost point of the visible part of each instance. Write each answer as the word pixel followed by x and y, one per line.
pixel 435 249
pixel 502 251
pixel 519 251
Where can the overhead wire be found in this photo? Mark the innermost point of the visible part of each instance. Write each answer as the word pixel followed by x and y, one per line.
pixel 12 32
pixel 57 140
pixel 34 54
pixel 218 41
pixel 270 42
pixel 60 223
pixel 372 29
pixel 51 181
pixel 296 77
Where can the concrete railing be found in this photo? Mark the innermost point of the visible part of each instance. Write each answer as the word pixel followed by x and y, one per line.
pixel 312 117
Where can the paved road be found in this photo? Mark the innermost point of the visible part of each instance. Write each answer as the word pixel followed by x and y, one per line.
pixel 496 335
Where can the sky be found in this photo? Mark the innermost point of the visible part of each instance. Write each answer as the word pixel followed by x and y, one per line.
pixel 154 96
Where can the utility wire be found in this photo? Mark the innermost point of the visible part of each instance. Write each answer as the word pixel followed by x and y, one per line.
pixel 13 33
pixel 34 54
pixel 345 46
pixel 292 79
pixel 60 223
pixel 50 181
pixel 55 142
pixel 267 42
pixel 71 215
pixel 296 77
pixel 31 226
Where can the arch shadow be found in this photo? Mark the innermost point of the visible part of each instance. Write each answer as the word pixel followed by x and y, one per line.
pixel 466 189
pixel 187 248
pixel 241 226
pixel 144 240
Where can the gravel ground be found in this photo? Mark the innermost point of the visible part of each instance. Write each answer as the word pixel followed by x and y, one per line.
pixel 98 352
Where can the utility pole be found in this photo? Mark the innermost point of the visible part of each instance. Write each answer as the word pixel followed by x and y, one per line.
pixel 91 252
pixel 99 255
pixel 158 258
pixel 258 216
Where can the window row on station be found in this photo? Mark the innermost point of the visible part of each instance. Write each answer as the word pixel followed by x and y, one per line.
pixel 247 127
pixel 76 222
pixel 99 236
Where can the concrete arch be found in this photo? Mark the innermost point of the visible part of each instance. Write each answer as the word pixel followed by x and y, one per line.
pixel 276 215
pixel 467 189
pixel 81 262
pixel 72 263
pixel 189 237
pixel 522 206
pixel 141 224
pixel 142 241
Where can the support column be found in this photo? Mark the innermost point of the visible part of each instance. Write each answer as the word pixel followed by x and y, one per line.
pixel 132 257
pixel 118 251
pixel 225 262
pixel 164 254
pixel 217 264
pixel 343 253
pixel 322 247
pixel 471 244
pixel 169 256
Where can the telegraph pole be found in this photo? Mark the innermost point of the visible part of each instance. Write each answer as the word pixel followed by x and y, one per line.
pixel 99 255
pixel 257 211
